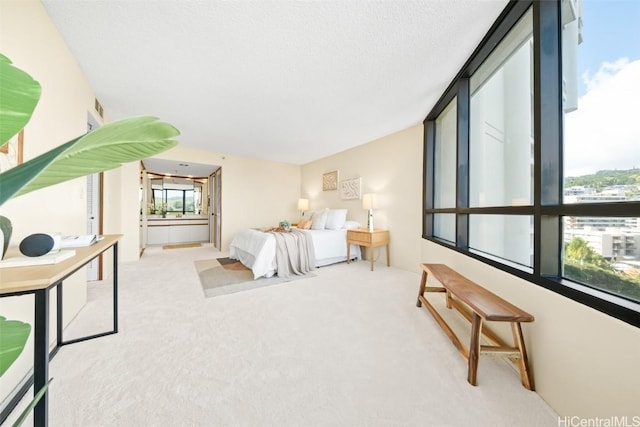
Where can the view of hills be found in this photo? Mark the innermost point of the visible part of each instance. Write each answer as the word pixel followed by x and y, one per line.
pixel 605 178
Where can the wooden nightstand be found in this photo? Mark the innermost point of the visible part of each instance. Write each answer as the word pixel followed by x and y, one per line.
pixel 371 239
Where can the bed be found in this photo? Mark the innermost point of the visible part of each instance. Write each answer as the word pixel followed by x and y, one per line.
pixel 256 249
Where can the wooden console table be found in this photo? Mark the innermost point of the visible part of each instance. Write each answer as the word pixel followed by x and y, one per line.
pixel 38 280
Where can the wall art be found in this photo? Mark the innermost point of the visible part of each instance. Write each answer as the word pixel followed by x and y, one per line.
pixel 330 181
pixel 350 188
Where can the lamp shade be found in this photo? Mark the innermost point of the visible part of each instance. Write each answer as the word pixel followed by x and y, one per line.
pixel 367 201
pixel 303 204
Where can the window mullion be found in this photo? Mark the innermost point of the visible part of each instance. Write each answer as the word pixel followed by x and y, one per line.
pixel 428 171
pixel 547 40
pixel 462 176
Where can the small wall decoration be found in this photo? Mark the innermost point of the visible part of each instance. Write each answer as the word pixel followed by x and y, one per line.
pixel 350 188
pixel 11 152
pixel 330 181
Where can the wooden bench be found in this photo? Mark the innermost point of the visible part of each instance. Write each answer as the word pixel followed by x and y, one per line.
pixel 476 304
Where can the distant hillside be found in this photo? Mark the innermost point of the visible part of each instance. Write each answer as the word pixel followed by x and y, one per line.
pixel 605 178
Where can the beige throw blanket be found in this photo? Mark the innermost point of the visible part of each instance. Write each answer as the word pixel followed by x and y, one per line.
pixel 294 252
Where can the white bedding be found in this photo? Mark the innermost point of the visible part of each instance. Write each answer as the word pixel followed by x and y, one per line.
pixel 257 250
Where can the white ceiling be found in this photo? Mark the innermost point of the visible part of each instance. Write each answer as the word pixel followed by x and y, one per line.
pixel 284 80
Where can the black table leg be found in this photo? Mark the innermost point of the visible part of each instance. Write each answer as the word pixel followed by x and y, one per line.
pixel 115 288
pixel 59 325
pixel 41 356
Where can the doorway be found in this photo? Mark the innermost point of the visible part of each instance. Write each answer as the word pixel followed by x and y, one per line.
pixel 183 203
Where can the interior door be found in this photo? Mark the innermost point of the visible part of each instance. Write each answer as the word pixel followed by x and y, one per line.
pixel 215 207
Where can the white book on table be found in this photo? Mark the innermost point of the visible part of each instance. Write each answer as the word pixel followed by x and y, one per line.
pixel 78 241
pixel 46 259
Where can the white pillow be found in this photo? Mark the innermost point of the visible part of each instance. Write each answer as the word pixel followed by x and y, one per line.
pixel 336 219
pixel 319 220
pixel 351 225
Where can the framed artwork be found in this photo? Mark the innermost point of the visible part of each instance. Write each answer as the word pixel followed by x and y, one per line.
pixel 330 181
pixel 11 152
pixel 350 188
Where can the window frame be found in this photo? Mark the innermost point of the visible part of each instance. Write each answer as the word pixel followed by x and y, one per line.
pixel 165 199
pixel 548 208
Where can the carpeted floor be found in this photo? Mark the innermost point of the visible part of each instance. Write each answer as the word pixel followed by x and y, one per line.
pixel 347 347
pixel 223 276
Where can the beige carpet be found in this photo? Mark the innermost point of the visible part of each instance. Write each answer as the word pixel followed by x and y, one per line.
pixel 345 348
pixel 223 276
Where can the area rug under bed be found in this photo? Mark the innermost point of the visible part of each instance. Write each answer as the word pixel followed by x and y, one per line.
pixel 223 276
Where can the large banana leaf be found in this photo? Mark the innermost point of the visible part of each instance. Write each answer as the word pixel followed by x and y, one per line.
pixel 32 405
pixel 14 335
pixel 103 149
pixel 19 94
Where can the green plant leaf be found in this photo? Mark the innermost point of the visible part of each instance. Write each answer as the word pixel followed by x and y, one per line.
pixel 6 228
pixel 32 405
pixel 13 335
pixel 103 149
pixel 19 94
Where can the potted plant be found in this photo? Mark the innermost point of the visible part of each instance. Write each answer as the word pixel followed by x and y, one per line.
pixel 103 149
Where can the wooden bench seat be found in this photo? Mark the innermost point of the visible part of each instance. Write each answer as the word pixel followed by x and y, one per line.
pixel 476 304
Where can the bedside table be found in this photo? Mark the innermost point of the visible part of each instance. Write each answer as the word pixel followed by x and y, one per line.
pixel 371 239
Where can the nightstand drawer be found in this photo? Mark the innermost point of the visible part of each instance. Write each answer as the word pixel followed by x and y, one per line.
pixel 371 239
pixel 358 237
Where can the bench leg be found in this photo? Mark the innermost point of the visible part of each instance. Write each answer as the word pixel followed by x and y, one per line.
pixel 448 299
pixel 474 348
pixel 423 283
pixel 523 362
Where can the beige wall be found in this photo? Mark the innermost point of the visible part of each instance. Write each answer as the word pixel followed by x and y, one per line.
pixel 390 167
pixel 30 41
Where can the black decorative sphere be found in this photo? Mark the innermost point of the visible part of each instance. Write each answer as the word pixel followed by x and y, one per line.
pixel 36 244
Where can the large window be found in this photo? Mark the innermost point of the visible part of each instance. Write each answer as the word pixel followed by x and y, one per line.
pixel 444 225
pixel 540 128
pixel 501 131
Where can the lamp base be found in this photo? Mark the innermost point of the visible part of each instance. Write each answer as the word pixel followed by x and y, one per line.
pixel 370 220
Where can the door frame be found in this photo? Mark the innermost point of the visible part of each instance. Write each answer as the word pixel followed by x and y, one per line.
pixel 95 207
pixel 215 208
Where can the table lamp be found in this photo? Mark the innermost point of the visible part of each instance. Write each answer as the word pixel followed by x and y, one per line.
pixel 367 203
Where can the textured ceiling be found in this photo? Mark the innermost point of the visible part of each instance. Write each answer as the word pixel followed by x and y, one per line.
pixel 291 81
